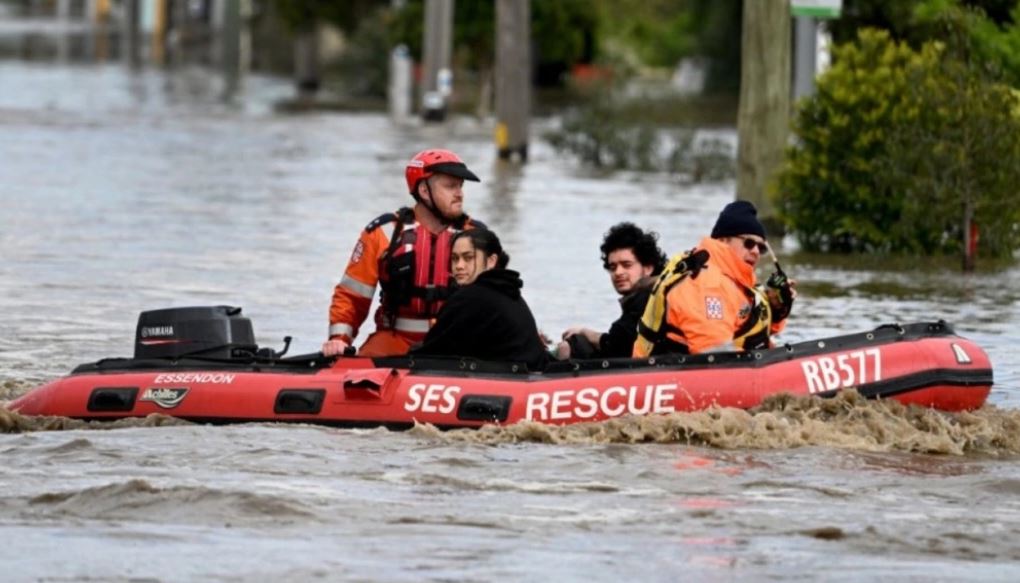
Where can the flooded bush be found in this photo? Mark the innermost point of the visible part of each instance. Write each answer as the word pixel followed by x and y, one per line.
pixel 904 150
pixel 603 133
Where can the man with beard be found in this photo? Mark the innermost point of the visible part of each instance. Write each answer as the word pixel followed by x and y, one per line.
pixel 407 253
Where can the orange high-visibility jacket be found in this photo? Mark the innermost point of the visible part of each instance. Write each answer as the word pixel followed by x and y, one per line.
pixel 708 311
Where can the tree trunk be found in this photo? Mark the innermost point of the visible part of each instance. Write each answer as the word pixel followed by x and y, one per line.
pixel 764 114
pixel 970 234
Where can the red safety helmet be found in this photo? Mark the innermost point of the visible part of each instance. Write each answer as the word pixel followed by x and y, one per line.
pixel 429 162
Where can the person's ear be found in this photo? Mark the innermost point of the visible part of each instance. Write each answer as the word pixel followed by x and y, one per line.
pixel 491 260
pixel 646 270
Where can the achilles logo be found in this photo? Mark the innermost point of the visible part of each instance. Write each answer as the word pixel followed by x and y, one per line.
pixel 961 356
pixel 148 331
pixel 165 398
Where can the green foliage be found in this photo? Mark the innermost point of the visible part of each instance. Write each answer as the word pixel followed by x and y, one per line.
pixel 345 14
pixel 909 20
pixel 364 66
pixel 897 18
pixel 564 31
pixel 990 29
pixel 973 37
pixel 662 32
pixel 896 147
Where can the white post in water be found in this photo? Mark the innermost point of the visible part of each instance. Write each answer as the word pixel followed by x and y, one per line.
pixel 400 84
pixel 513 77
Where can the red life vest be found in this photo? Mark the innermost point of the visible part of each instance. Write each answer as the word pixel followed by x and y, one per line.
pixel 414 272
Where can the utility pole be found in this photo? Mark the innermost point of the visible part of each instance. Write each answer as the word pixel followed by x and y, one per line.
pixel 63 37
pixel 157 43
pixel 437 77
pixel 132 38
pixel 180 32
pixel 513 77
pixel 763 116
pixel 230 45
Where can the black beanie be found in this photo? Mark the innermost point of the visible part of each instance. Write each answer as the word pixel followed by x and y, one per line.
pixel 738 218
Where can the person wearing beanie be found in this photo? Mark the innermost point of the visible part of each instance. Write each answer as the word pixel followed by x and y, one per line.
pixel 719 305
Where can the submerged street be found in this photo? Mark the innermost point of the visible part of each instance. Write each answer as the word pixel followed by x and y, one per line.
pixel 124 192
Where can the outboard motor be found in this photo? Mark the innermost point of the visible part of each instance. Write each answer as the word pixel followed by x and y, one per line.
pixel 203 331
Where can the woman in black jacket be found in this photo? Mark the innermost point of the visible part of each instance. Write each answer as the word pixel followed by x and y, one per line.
pixel 486 318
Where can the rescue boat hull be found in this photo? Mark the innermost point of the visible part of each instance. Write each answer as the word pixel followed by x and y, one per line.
pixel 924 364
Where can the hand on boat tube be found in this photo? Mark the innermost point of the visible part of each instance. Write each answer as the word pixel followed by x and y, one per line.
pixel 336 347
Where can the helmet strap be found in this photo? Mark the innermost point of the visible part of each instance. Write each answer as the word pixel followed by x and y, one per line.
pixel 430 203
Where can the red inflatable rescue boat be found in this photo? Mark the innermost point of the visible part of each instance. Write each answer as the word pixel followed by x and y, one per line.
pixel 202 364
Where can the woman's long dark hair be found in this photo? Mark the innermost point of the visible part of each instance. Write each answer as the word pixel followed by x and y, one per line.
pixel 487 242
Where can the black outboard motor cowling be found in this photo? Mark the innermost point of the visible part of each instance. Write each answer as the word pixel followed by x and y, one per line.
pixel 203 331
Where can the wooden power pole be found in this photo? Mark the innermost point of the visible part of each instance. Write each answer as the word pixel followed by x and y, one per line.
pixel 131 34
pixel 513 77
pixel 437 51
pixel 764 113
pixel 230 45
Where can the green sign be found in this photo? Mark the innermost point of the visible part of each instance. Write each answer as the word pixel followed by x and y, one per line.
pixel 816 8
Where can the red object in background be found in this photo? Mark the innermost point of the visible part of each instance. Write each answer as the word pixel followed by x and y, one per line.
pixel 586 74
pixel 974 236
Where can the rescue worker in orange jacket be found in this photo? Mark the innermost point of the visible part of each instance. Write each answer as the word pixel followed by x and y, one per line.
pixel 719 305
pixel 407 254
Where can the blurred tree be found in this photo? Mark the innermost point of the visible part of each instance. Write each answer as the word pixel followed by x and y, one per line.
pixel 364 65
pixel 901 150
pixel 344 14
pixel 563 32
pixel 895 17
pixel 992 25
pixel 900 18
pixel 662 32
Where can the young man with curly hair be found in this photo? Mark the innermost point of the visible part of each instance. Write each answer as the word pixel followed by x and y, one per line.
pixel 632 259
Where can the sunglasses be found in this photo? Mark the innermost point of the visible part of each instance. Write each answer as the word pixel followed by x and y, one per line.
pixel 750 243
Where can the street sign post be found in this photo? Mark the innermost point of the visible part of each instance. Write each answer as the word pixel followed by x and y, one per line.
pixel 816 8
